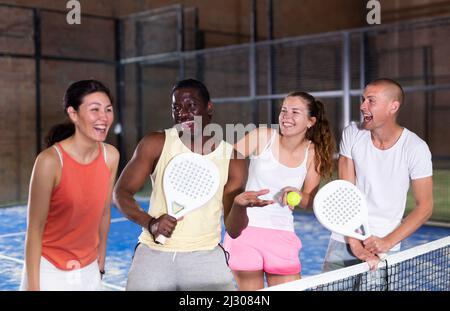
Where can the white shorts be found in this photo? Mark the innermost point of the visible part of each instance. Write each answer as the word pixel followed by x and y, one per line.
pixel 53 279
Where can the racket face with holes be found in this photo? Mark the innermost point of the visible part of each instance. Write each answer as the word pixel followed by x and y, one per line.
pixel 341 207
pixel 189 182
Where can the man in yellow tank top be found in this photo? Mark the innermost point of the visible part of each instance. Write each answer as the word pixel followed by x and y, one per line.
pixel 192 259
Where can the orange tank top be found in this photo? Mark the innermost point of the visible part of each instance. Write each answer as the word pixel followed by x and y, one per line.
pixel 71 234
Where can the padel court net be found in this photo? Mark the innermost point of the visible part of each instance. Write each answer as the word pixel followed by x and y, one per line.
pixel 422 268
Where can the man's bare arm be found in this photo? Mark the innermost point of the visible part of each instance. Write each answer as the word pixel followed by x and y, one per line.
pixel 133 177
pixel 235 217
pixel 236 201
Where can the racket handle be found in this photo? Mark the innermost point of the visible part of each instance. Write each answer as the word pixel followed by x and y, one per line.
pixel 161 239
pixel 382 256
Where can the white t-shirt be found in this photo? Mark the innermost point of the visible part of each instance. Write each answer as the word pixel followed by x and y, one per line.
pixel 384 175
pixel 266 172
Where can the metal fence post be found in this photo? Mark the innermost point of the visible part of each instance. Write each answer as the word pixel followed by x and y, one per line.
pixel 252 61
pixel 120 90
pixel 37 62
pixel 181 42
pixel 271 113
pixel 139 90
pixel 346 79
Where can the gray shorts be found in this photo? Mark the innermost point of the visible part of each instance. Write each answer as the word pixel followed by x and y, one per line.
pixel 339 255
pixel 187 271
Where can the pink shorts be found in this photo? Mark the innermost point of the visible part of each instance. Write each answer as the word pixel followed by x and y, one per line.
pixel 270 250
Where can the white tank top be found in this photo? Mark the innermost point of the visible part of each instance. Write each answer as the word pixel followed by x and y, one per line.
pixel 266 172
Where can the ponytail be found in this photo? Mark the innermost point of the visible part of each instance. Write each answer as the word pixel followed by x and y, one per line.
pixel 59 132
pixel 322 137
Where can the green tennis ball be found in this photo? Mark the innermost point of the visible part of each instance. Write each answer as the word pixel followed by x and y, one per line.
pixel 293 198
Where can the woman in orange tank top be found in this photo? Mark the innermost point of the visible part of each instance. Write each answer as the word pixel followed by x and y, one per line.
pixel 69 198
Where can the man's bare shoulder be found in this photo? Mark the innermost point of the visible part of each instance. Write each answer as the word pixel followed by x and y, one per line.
pixel 151 143
pixel 153 138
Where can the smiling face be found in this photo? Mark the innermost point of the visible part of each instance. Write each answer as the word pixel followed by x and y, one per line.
pixel 294 116
pixel 94 116
pixel 187 104
pixel 378 106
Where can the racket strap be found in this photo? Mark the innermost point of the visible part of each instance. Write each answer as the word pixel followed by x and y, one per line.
pixel 227 254
pixel 149 228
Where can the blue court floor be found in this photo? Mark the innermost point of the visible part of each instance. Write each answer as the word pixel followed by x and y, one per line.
pixel 123 236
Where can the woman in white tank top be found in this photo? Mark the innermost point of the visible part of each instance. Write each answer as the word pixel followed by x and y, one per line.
pixel 293 159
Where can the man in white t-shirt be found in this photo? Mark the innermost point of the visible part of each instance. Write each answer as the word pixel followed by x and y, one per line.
pixel 381 158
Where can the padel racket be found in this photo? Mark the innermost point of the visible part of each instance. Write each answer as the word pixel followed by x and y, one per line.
pixel 189 182
pixel 341 207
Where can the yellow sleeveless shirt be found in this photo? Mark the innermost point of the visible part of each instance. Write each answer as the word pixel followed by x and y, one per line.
pixel 201 228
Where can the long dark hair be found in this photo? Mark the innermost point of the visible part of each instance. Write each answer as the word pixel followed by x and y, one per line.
pixel 320 134
pixel 73 98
